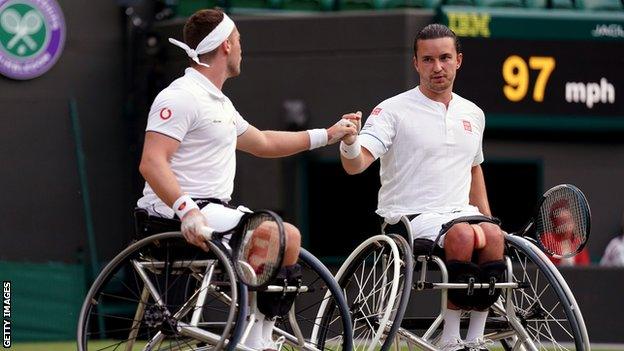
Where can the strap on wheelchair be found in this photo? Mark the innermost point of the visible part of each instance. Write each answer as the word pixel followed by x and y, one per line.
pixel 466 219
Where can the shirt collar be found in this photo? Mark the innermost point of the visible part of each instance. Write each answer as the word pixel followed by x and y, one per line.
pixel 420 95
pixel 204 83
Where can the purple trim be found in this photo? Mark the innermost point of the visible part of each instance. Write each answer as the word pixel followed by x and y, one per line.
pixel 53 49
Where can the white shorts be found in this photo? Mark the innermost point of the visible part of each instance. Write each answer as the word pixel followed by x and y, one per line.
pixel 219 217
pixel 427 225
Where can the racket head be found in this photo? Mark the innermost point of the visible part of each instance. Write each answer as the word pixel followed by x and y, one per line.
pixel 563 221
pixel 258 244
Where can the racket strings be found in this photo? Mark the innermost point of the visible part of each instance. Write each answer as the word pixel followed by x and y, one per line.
pixel 561 226
pixel 259 255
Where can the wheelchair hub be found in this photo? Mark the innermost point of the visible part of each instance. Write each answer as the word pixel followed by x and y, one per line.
pixel 357 313
pixel 532 313
pixel 159 317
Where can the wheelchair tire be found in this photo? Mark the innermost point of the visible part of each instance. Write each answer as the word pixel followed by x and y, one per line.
pixel 146 294
pixel 377 279
pixel 320 331
pixel 546 308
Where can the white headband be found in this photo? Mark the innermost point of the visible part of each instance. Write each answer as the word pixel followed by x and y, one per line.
pixel 210 42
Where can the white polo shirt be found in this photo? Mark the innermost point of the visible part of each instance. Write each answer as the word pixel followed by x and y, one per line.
pixel 197 114
pixel 427 152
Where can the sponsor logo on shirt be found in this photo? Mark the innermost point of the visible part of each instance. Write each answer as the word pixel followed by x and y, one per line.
pixel 165 113
pixel 467 126
pixel 376 111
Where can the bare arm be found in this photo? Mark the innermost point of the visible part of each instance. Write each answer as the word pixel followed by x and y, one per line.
pixel 478 193
pixel 155 168
pixel 271 143
pixel 358 164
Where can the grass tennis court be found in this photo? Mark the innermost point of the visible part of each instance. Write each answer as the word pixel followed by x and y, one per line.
pixel 71 346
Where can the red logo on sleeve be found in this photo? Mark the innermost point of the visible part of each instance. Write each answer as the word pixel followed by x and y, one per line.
pixel 467 126
pixel 165 113
pixel 182 206
pixel 376 111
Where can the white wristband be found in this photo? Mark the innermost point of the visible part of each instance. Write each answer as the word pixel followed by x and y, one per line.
pixel 350 151
pixel 318 138
pixel 183 205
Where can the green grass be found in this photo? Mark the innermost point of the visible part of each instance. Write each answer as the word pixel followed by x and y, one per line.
pixel 61 346
pixel 71 346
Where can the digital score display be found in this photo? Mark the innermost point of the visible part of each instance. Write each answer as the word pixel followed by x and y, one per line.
pixel 541 81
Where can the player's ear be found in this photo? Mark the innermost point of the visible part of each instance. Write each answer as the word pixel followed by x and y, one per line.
pixel 460 58
pixel 415 62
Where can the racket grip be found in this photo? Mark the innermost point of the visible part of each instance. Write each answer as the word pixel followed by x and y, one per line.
pixel 206 232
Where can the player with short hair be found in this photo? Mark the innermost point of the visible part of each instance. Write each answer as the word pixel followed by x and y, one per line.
pixel 429 141
pixel 189 156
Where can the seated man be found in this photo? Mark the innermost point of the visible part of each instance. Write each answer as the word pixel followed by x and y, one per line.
pixel 429 142
pixel 192 134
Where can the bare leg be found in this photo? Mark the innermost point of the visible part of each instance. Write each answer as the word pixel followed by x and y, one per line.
pixel 495 241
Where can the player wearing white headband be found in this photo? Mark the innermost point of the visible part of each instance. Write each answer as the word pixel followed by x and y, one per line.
pixel 192 134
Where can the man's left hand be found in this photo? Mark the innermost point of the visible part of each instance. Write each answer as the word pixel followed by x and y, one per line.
pixel 347 126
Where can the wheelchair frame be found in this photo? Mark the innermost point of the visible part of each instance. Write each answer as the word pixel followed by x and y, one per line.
pixel 512 326
pixel 159 320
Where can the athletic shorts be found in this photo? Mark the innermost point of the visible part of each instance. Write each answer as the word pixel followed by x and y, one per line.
pixel 427 225
pixel 220 217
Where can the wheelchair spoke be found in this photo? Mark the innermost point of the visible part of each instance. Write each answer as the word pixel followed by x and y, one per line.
pixel 541 305
pixel 123 314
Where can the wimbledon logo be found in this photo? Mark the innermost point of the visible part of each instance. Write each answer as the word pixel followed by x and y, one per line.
pixel 32 34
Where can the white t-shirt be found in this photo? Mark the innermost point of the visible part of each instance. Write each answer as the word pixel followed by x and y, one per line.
pixel 197 114
pixel 427 153
pixel 614 253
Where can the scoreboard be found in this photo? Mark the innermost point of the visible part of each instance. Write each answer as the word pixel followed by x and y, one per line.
pixel 542 69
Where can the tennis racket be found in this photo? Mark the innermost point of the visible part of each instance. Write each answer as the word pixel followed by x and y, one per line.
pixel 258 242
pixel 561 223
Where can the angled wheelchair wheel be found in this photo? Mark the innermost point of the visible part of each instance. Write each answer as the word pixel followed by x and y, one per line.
pixel 542 314
pixel 376 279
pixel 319 319
pixel 161 293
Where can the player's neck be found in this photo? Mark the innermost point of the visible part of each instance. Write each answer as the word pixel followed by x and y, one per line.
pixel 443 96
pixel 216 74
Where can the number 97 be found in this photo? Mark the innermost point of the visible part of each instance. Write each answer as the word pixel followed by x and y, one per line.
pixel 516 75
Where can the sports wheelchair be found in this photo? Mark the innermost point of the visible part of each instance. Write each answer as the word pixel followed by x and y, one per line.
pixel 391 280
pixel 161 293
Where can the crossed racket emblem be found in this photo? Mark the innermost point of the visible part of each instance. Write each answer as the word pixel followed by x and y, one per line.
pixel 21 26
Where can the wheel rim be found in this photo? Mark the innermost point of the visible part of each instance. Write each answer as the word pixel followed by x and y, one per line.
pixel 372 282
pixel 122 312
pixel 542 307
pixel 324 332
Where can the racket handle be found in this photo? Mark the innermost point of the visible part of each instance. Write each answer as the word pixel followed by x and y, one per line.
pixel 206 232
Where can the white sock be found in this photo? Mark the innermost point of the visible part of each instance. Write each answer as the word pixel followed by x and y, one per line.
pixel 254 340
pixel 451 326
pixel 267 329
pixel 477 325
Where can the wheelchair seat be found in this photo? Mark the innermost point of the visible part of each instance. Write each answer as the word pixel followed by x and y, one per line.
pixel 423 247
pixel 146 225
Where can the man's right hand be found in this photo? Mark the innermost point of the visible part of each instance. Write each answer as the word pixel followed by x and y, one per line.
pixel 356 119
pixel 192 225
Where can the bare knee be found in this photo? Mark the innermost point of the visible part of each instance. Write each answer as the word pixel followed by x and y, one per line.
pixel 493 234
pixel 495 246
pixel 459 242
pixel 293 243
